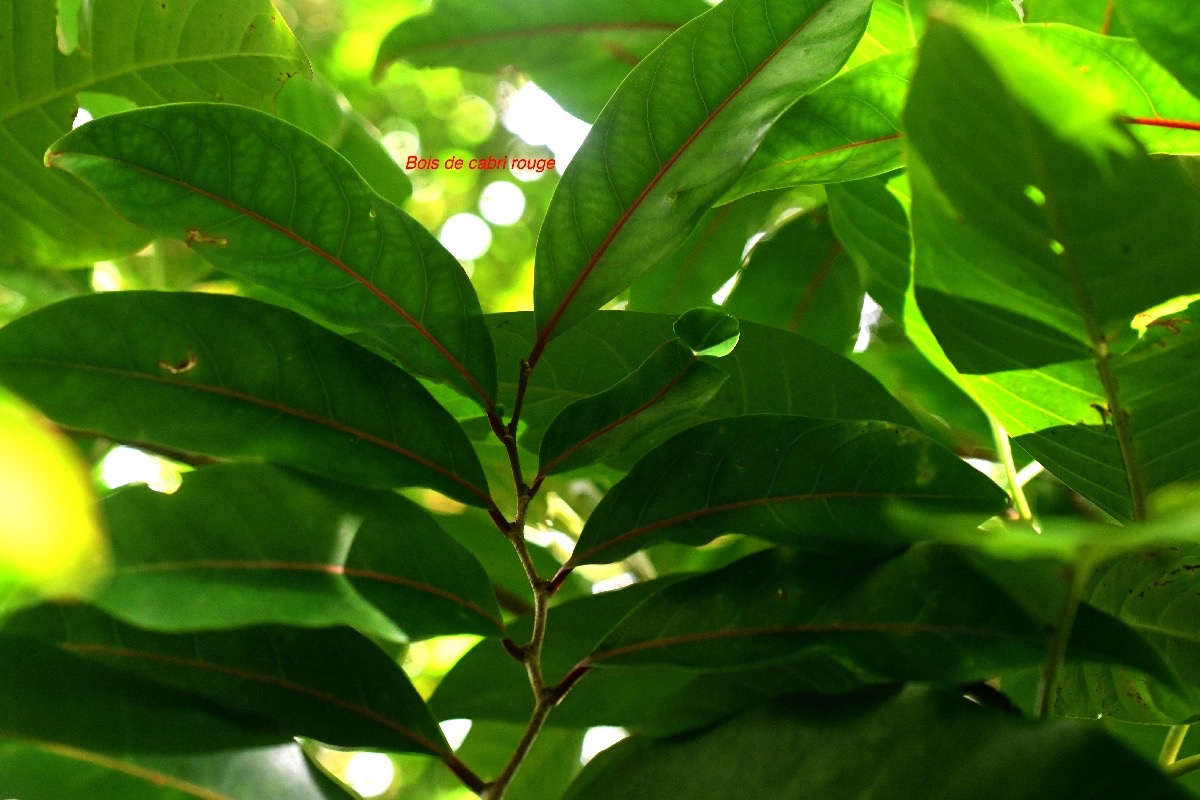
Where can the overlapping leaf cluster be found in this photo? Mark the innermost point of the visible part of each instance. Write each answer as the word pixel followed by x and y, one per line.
pixel 813 577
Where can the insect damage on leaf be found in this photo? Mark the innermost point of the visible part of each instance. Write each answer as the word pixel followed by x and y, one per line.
pixel 186 365
pixel 197 236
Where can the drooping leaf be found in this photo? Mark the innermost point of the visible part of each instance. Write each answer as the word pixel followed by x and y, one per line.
pixel 847 130
pixel 801 279
pixel 931 742
pixel 251 544
pixel 1168 32
pixel 488 684
pixel 265 201
pixel 332 685
pixel 145 50
pixel 319 108
pixel 235 378
pixel 1069 217
pixel 577 50
pixel 770 371
pixel 51 541
pixel 819 484
pixel 672 140
pixel 691 274
pixel 672 382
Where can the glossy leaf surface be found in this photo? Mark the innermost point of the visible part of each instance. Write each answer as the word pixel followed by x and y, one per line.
pixel 650 167
pixel 231 50
pixel 253 544
pixel 948 747
pixel 234 378
pixel 819 484
pixel 268 202
pixel 577 50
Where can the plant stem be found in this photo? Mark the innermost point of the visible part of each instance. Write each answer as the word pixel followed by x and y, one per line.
pixel 530 654
pixel 1184 766
pixel 1004 450
pixel 1048 680
pixel 1170 748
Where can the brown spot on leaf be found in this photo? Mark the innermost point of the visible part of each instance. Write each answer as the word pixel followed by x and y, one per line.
pixel 196 236
pixel 186 365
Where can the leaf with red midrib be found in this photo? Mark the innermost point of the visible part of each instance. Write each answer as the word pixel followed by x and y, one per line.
pixel 817 484
pixel 251 544
pixel 673 138
pixel 265 201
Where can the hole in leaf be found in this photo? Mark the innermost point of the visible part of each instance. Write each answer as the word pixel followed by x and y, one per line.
pixel 1056 247
pixel 1036 195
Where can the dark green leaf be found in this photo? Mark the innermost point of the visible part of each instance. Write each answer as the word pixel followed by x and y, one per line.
pixel 801 279
pixel 892 746
pixel 319 108
pixel 488 684
pixel 819 484
pixel 777 605
pixel 48 771
pixel 1168 32
pixel 234 378
pixel 333 685
pixel 672 140
pixel 268 202
pixel 251 544
pixel 672 382
pixel 149 51
pixel 1032 257
pixel 708 332
pixel 691 274
pixel 770 371
pixel 577 50
pixel 545 773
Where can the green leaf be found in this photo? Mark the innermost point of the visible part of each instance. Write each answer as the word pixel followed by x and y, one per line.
pixel 333 685
pixel 234 378
pixel 251 544
pixel 898 25
pixel 819 484
pixel 770 371
pixel 319 108
pixel 148 51
pixel 1091 15
pixel 877 745
pixel 672 140
pixel 708 332
pixel 265 201
pixel 691 274
pixel 48 771
pixel 673 381
pixel 577 50
pixel 1169 34
pixel 66 708
pixel 801 279
pixel 488 684
pixel 780 604
pixel 1061 224
pixel 847 130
